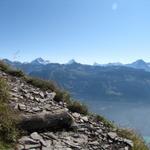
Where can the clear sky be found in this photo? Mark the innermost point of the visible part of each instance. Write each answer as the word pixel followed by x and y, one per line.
pixel 87 30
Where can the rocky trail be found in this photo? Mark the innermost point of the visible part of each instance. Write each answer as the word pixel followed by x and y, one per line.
pixel 51 126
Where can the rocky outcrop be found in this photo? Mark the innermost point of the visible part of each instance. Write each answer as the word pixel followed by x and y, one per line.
pixel 57 120
pixel 50 128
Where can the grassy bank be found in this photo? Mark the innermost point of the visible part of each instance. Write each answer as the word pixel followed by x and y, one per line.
pixel 138 141
pixel 8 130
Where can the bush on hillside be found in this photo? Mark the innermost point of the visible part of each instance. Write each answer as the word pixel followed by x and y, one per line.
pixel 107 123
pixel 137 140
pixel 76 106
pixel 40 83
pixel 16 73
pixel 49 85
pixel 62 96
pixel 4 95
pixel 7 69
pixel 8 131
pixel 4 67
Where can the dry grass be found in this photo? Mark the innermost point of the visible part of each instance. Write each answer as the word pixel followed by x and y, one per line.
pixel 42 84
pixel 107 123
pixel 138 141
pixel 8 131
pixel 78 107
pixel 6 68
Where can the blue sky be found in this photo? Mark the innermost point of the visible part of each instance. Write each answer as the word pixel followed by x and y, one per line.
pixel 87 30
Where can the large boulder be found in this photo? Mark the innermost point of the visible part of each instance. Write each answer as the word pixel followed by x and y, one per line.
pixel 51 121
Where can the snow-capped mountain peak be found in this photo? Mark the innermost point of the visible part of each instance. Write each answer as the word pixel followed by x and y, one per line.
pixel 40 61
pixel 72 61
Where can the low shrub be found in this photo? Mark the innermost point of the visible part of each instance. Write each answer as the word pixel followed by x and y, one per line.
pixel 6 146
pixel 4 67
pixel 137 140
pixel 4 95
pixel 78 107
pixel 62 96
pixel 102 119
pixel 59 96
pixel 49 85
pixel 16 73
pixel 67 98
pixel 40 83
pixel 7 69
pixel 8 131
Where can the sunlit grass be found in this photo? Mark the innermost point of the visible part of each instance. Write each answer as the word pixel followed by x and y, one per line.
pixel 137 140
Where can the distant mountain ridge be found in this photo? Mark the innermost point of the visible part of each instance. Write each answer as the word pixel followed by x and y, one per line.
pixel 94 82
pixel 138 64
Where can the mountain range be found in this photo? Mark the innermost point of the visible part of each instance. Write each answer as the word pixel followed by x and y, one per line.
pixel 138 64
pixel 94 82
